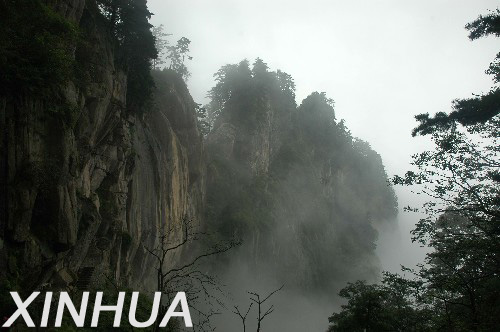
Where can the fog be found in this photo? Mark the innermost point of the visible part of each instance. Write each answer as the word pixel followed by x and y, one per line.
pixel 381 61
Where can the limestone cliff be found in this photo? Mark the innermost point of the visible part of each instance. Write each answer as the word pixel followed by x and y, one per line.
pixel 291 182
pixel 87 184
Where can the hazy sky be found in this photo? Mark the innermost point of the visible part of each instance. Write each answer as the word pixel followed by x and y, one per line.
pixel 382 61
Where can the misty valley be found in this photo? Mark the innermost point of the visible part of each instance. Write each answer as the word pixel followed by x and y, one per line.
pixel 250 210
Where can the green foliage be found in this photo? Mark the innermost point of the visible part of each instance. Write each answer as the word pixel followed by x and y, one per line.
pixel 323 188
pixel 468 111
pixel 260 68
pixel 286 83
pixel 461 224
pixel 317 117
pixel 241 93
pixel 458 286
pixel 129 23
pixel 461 174
pixel 204 124
pixel 389 306
pixel 475 110
pixel 229 78
pixel 178 55
pixel 459 280
pixel 36 56
pixel 485 25
pixel 161 44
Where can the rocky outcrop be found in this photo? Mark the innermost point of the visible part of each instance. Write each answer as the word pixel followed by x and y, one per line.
pixel 89 185
pixel 167 184
pixel 302 194
pixel 86 185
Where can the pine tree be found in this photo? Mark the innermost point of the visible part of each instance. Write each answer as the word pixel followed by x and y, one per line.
pixel 178 55
pixel 161 44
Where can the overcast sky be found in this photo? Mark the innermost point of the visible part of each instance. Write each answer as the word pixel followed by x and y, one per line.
pixel 382 61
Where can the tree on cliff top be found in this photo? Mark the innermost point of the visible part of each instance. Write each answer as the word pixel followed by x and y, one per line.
pixel 178 54
pixel 36 48
pixel 203 291
pixel 161 44
pixel 237 84
pixel 129 23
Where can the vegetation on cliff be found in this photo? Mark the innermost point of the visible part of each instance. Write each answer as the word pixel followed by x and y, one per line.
pixel 303 194
pixel 36 55
pixel 74 187
pixel 39 47
pixel 95 191
pixel 128 21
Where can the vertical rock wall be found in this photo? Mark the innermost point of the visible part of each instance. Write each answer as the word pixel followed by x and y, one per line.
pixel 86 185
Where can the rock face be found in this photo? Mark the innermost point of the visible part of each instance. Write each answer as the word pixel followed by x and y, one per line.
pixel 87 186
pixel 302 194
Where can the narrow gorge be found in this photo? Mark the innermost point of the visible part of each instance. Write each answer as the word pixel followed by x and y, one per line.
pixel 89 183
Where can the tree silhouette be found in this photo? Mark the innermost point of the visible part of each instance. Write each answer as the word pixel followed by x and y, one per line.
pixel 256 298
pixel 177 55
pixel 242 317
pixel 475 110
pixel 187 276
pixel 459 282
pixel 161 44
pixel 259 301
pixel 128 21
